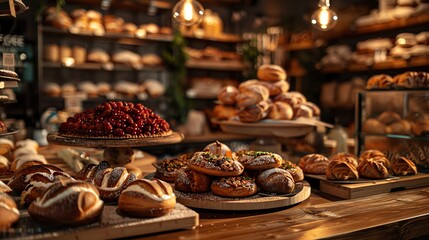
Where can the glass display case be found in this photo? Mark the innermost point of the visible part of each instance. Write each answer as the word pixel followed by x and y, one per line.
pixel 395 122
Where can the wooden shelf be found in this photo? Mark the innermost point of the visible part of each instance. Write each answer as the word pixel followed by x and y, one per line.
pixel 211 137
pixel 224 37
pixel 119 38
pixel 395 24
pixel 400 64
pixel 302 46
pixel 216 65
pixel 136 5
pixel 104 67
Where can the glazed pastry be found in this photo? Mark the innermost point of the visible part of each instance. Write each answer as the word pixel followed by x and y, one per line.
pixel 218 148
pixel 21 179
pixel 145 198
pixel 25 161
pixel 400 127
pixel 314 164
pixel 293 169
pixel 4 188
pixel 276 180
pixel 215 165
pixel 252 95
pixel 67 203
pixel 271 73
pixel 190 181
pixel 241 186
pixel 280 111
pixel 389 117
pixel 6 146
pixel 4 164
pixel 341 170
pixel 227 95
pixel 223 112
pixel 111 182
pixel 8 211
pixel 367 154
pixel 380 81
pixel 167 169
pixel 291 98
pixel 258 160
pixel 372 125
pixel 118 157
pixel 345 157
pixel 402 166
pixel 372 169
pixel 89 171
pixel 254 113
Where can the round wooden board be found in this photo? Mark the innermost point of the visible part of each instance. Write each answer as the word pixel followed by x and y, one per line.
pixel 257 202
pixel 174 137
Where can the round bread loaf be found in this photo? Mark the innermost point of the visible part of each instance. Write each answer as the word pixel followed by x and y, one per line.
pixel 276 180
pixel 241 186
pixel 314 164
pixel 271 73
pixel 227 95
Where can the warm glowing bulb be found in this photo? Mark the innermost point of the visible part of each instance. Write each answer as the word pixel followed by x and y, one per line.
pixel 324 18
pixel 188 12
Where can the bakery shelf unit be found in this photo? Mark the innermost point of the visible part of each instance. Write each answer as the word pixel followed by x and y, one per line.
pixel 386 110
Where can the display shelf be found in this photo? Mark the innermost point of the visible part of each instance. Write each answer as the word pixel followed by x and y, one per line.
pixel 396 136
pixel 127 5
pixel 224 37
pixel 215 136
pixel 101 66
pixel 303 46
pixel 391 25
pixel 215 65
pixel 119 38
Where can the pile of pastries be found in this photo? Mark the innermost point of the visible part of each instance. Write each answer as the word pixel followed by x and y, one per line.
pixel 403 80
pixel 265 97
pixel 54 198
pixel 225 173
pixel 371 164
pixel 94 22
pixel 17 156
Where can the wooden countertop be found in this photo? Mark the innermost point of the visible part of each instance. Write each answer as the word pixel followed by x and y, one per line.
pixel 401 214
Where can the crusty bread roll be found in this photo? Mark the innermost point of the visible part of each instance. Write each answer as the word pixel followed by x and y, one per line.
pixel 4 164
pixel 67 203
pixel 190 181
pixel 111 182
pixel 314 164
pixel 147 198
pixel 98 55
pixel 6 146
pixel 276 180
pixel 218 148
pixel 215 165
pixel 89 171
pixel 293 169
pixel 421 127
pixel 252 95
pixel 259 160
pixel 24 161
pixel 241 186
pixel 389 117
pixel 151 59
pixel 274 88
pixel 341 170
pixel 52 89
pixel 280 111
pixel 227 95
pixel 412 79
pixel 402 166
pixel 373 125
pixel 254 113
pixel 380 81
pixel 271 73
pixel 370 153
pixel 36 187
pixel 8 211
pixel 372 169
pixel 303 111
pixel 291 98
pixel 223 112
pixel 400 127
pixel 315 109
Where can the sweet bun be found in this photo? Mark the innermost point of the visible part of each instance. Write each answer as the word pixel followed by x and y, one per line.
pixel 36 187
pixel 372 169
pixel 370 153
pixel 8 211
pixel 67 203
pixel 302 111
pixel 402 166
pixel 4 188
pixel 345 157
pixel 241 186
pixel 190 181
pixel 215 165
pixel 223 112
pixel 271 73
pixel 280 111
pixel 254 113
pixel 167 169
pixel 314 164
pixel 25 161
pixel 227 95
pixel 252 95
pixel 6 146
pixel 293 169
pixel 276 180
pixel 389 117
pixel 373 125
pixel 111 182
pixel 380 81
pixel 259 160
pixel 341 170
pixel 4 164
pixel 146 198
pixel 218 148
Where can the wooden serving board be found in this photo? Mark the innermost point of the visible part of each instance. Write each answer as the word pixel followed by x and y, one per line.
pixel 256 202
pixel 370 187
pixel 111 225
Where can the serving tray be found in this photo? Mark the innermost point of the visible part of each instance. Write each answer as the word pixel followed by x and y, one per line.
pixel 362 188
pixel 257 202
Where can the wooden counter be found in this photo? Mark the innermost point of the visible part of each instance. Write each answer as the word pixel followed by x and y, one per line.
pixel 402 214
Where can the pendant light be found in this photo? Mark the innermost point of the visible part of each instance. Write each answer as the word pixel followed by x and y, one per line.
pixel 324 18
pixel 188 12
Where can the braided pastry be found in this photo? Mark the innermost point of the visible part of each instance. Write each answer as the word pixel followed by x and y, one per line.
pixel 341 170
pixel 372 169
pixel 403 166
pixel 367 154
pixel 345 157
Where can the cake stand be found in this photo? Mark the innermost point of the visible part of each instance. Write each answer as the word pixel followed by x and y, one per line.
pixel 121 146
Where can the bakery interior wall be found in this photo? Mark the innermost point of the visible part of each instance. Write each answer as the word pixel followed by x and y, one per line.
pixel 254 16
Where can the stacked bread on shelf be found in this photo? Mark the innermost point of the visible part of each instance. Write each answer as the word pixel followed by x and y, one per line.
pixel 404 80
pixel 265 97
pixel 371 164
pixel 82 21
pixel 390 122
pixel 213 54
pixel 224 173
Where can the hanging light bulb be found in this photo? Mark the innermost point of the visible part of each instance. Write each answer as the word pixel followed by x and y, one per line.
pixel 324 18
pixel 188 12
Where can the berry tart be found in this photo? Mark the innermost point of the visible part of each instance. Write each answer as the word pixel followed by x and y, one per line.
pixel 116 120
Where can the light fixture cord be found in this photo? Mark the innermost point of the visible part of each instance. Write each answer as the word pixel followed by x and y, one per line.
pixel 324 3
